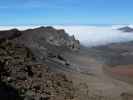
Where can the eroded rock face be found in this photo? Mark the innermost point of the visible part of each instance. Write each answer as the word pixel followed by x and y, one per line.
pixel 20 67
pixel 28 80
pixel 45 40
pixel 51 36
pixel 73 44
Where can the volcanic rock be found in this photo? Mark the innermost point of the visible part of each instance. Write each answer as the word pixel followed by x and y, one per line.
pixel 27 80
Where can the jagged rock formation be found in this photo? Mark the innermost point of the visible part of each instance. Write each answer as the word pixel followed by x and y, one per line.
pixel 51 36
pixel 21 71
pixel 43 41
pixel 31 81
pixel 126 29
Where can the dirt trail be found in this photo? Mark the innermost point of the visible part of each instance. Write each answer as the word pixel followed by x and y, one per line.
pixel 94 84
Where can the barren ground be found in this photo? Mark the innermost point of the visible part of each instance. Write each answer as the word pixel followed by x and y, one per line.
pixel 95 80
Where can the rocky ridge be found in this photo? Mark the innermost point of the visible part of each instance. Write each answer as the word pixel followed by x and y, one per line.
pixel 43 40
pixel 22 76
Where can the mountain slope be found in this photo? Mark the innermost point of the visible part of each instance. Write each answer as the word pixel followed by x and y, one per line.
pixel 126 29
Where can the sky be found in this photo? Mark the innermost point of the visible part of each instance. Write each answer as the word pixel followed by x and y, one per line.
pixel 65 12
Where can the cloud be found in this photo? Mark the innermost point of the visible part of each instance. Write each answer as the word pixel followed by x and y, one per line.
pixel 97 35
pixel 119 26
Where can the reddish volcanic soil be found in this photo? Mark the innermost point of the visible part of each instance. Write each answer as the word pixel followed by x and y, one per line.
pixel 123 71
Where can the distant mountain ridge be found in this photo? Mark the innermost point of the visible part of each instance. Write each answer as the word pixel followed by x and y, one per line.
pixel 126 29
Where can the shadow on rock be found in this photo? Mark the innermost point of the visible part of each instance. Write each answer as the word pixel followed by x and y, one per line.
pixel 8 93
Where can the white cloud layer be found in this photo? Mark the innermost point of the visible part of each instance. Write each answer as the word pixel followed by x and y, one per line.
pixel 98 35
pixel 89 35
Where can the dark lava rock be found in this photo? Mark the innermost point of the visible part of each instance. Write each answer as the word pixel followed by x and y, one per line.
pixel 51 36
pixel 8 93
pixel 45 40
pixel 26 80
pixel 42 41
pixel 127 96
pixel 9 34
pixel 21 72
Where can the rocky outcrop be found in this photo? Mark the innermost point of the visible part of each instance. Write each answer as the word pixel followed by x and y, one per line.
pixel 126 29
pixel 73 44
pixel 24 64
pixel 42 41
pixel 50 36
pixel 47 40
pixel 21 78
pixel 9 34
